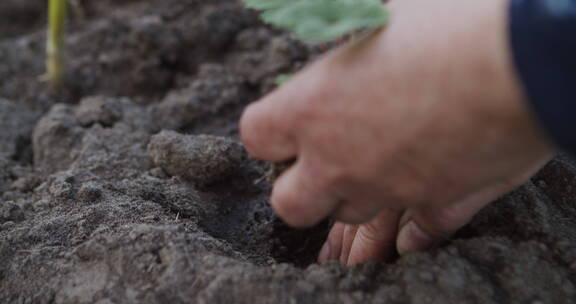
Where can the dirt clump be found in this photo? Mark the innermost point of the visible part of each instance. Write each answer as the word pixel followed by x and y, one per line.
pixel 200 159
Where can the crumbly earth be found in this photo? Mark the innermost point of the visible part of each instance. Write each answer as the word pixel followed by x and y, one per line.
pixel 131 186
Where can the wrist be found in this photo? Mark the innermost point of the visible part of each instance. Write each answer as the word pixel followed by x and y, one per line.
pixel 496 81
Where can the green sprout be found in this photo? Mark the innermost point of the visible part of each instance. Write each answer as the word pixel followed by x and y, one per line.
pixel 282 78
pixel 322 20
pixel 57 12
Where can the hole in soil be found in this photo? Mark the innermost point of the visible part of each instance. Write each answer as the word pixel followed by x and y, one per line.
pixel 299 247
pixel 246 221
pixel 23 153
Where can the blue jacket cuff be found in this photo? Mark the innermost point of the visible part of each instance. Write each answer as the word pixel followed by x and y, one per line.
pixel 543 41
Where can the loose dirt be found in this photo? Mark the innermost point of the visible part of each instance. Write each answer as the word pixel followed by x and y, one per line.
pixel 131 185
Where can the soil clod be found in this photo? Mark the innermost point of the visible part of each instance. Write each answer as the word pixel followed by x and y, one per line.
pixel 199 159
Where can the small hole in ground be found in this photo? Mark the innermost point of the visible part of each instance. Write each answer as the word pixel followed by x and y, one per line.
pixel 298 247
pixel 246 221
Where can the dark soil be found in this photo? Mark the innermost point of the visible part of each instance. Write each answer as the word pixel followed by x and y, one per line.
pixel 131 186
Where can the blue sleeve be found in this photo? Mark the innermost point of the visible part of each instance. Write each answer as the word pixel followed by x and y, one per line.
pixel 543 40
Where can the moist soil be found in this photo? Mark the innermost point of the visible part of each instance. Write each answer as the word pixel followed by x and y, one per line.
pixel 131 185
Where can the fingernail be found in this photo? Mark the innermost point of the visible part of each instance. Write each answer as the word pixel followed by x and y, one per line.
pixel 324 254
pixel 412 239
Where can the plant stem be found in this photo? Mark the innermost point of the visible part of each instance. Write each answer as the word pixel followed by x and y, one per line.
pixel 56 18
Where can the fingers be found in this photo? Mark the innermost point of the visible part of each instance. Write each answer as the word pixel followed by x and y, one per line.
pixel 269 128
pixel 265 130
pixel 347 240
pixel 333 245
pixel 301 198
pixel 353 244
pixel 376 239
pixel 423 228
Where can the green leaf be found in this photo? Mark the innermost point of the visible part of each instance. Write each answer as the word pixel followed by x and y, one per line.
pixel 265 4
pixel 322 20
pixel 282 78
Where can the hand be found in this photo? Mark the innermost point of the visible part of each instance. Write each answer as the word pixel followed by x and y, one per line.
pixel 412 130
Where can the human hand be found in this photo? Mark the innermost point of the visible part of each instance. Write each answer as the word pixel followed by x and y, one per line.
pixel 411 131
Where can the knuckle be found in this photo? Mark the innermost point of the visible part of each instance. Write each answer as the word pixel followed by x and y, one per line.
pixel 370 235
pixel 374 231
pixel 313 106
pixel 289 208
pixel 335 236
pixel 266 136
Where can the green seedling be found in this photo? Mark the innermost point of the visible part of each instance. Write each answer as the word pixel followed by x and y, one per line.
pixel 57 12
pixel 320 21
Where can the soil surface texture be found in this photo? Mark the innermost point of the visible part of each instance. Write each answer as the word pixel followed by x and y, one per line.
pixel 130 185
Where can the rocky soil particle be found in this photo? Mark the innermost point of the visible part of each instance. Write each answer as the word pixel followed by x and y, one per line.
pixel 98 110
pixel 10 212
pixel 55 137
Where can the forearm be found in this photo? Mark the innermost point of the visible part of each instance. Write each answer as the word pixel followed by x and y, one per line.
pixel 543 40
